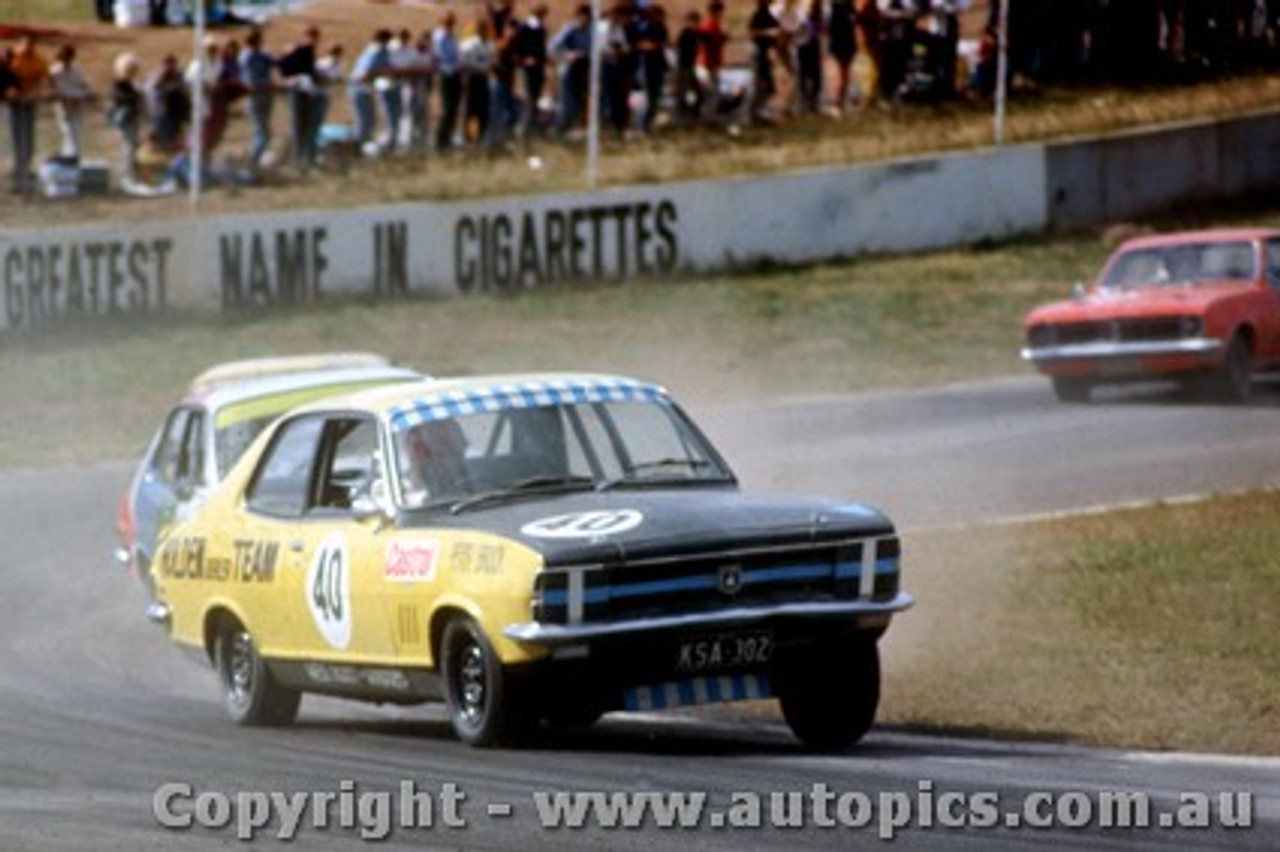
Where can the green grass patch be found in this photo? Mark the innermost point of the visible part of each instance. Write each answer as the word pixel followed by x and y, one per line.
pixel 46 11
pixel 1151 628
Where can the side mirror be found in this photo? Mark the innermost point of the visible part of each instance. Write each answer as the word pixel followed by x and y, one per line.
pixel 373 502
pixel 1078 290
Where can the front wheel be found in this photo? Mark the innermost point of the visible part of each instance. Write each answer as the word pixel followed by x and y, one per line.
pixel 250 692
pixel 1072 389
pixel 478 690
pixel 1233 381
pixel 830 701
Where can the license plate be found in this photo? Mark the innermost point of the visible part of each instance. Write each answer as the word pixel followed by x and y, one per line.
pixel 721 651
pixel 1120 367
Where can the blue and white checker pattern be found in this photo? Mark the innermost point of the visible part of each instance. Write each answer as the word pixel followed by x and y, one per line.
pixel 699 690
pixel 451 404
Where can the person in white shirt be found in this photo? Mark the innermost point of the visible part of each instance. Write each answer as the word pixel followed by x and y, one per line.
pixel 477 57
pixel 71 93
pixel 203 75
pixel 418 74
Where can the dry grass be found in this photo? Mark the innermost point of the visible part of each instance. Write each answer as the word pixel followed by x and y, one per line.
pixel 1152 628
pixel 812 142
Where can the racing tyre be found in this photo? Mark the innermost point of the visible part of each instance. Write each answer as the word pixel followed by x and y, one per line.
pixel 250 692
pixel 1232 382
pixel 829 710
pixel 1072 390
pixel 574 715
pixel 479 694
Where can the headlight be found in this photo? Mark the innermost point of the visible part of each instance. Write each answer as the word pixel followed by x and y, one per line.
pixel 1190 326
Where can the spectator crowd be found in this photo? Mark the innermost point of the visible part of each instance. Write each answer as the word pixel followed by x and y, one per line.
pixel 504 74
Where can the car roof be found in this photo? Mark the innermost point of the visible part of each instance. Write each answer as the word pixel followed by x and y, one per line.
pixel 435 399
pixel 257 368
pixel 218 396
pixel 1213 235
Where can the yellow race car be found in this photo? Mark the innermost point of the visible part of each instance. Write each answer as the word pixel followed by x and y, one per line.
pixel 532 550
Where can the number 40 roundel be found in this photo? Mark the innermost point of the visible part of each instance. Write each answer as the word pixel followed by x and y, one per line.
pixel 328 591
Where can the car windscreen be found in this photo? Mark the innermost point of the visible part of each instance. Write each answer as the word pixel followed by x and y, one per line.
pixel 590 445
pixel 1188 263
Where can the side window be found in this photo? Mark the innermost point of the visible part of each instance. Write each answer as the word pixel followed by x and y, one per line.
pixel 169 464
pixel 652 440
pixel 350 463
pixel 283 483
pixel 1271 257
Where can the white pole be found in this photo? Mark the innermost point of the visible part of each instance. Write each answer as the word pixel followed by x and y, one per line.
pixel 1002 68
pixel 197 107
pixel 593 100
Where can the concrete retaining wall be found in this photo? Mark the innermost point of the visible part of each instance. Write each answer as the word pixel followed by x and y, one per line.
pixel 272 260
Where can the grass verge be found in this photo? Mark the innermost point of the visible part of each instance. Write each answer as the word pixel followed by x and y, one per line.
pixel 1149 628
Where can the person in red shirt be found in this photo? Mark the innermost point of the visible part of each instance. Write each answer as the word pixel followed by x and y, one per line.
pixel 31 71
pixel 712 38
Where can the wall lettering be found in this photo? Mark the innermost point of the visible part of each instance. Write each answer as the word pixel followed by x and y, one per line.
pixel 45 281
pixel 265 269
pixel 554 247
pixel 391 259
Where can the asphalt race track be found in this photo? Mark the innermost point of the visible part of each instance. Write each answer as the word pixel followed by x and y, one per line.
pixel 98 712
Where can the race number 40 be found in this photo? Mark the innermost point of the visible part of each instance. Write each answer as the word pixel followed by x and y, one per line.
pixel 328 591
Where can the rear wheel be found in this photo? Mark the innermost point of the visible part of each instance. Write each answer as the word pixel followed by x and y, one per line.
pixel 1072 389
pixel 828 707
pixel 479 693
pixel 250 692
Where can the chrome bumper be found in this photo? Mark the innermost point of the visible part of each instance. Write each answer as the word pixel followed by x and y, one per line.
pixel 874 614
pixel 1103 350
pixel 159 614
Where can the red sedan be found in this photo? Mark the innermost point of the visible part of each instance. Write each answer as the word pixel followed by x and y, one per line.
pixel 1201 308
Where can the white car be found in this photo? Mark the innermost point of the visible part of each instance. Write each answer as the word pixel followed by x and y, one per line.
pixel 223 410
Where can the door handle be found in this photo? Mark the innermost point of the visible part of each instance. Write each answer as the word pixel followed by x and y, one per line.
pixel 297 545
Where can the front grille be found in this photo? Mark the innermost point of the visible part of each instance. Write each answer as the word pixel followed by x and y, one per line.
pixel 1112 331
pixel 711 582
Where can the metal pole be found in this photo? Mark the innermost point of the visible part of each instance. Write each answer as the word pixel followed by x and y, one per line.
pixel 1002 68
pixel 593 100
pixel 197 107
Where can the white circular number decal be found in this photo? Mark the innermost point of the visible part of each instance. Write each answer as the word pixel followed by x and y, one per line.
pixel 328 591
pixel 584 524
